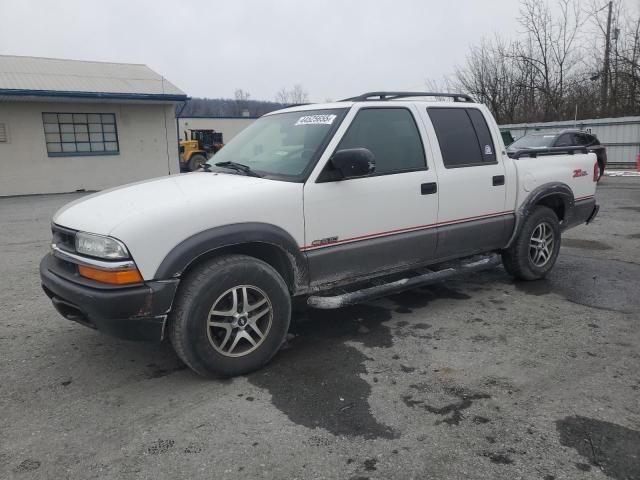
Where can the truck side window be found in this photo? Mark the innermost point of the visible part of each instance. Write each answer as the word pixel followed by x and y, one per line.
pixel 459 142
pixel 392 136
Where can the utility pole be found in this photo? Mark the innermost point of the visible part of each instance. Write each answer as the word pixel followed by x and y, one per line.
pixel 604 92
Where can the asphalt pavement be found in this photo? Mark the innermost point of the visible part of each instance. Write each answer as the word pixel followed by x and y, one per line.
pixel 481 377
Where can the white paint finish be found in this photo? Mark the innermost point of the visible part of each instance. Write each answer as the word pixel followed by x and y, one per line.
pixel 468 191
pixel 37 73
pixel 230 127
pixel 146 133
pixel 366 206
pixel 556 168
pixel 154 216
pixel 369 206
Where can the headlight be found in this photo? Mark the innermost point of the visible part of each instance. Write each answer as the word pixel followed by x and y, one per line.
pixel 100 246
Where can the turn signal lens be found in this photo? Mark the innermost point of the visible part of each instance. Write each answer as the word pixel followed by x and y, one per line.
pixel 596 172
pixel 117 277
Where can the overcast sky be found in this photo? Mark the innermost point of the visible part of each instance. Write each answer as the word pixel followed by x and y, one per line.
pixel 335 49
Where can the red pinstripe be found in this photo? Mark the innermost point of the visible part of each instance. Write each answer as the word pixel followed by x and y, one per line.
pixel 404 230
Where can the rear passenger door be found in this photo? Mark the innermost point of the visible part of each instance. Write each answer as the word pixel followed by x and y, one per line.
pixel 472 214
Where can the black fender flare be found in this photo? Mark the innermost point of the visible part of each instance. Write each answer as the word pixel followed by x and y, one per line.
pixel 559 189
pixel 207 241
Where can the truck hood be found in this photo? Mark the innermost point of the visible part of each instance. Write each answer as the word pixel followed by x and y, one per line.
pixel 153 216
pixel 103 212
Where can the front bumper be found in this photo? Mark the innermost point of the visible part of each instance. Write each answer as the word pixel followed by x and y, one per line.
pixel 136 312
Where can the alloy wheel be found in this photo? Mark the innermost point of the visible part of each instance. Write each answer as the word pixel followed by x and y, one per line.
pixel 541 244
pixel 239 321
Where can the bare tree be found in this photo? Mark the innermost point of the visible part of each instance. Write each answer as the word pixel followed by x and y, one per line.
pixel 282 96
pixel 295 96
pixel 241 95
pixel 553 71
pixel 494 76
pixel 550 50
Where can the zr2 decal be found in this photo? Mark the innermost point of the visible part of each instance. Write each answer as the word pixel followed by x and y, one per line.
pixel 578 172
pixel 324 241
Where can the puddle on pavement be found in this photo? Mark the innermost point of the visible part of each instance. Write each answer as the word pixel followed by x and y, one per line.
pixel 422 296
pixel 613 448
pixel 452 412
pixel 316 381
pixel 584 244
pixel 635 209
pixel 597 283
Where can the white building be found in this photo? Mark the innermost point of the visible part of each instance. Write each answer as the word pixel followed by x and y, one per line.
pixel 68 125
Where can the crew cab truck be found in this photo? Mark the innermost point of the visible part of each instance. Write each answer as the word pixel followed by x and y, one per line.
pixel 333 203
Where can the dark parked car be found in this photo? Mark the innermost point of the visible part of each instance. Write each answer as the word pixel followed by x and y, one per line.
pixel 564 138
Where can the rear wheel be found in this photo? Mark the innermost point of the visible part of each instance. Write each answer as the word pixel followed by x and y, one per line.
pixel 534 252
pixel 196 161
pixel 231 316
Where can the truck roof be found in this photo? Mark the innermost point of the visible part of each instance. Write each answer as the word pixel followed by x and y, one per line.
pixel 383 97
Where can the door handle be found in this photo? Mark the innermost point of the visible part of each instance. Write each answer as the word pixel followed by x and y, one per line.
pixel 428 188
pixel 498 180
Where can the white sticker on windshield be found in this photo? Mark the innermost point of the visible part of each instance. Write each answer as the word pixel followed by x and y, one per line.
pixel 316 120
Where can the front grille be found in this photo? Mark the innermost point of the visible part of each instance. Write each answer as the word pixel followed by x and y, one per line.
pixel 64 238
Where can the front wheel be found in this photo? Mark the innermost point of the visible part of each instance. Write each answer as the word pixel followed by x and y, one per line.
pixel 534 252
pixel 231 316
pixel 196 161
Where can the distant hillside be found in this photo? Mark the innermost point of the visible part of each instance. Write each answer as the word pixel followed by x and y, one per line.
pixel 224 107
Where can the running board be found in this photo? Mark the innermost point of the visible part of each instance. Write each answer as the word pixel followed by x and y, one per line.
pixel 387 288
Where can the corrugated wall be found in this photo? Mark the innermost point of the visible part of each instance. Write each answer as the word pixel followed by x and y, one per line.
pixel 621 135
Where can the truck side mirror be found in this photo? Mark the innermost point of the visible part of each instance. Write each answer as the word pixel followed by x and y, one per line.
pixel 353 162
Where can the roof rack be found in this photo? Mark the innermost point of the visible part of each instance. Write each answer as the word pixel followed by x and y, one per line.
pixel 374 96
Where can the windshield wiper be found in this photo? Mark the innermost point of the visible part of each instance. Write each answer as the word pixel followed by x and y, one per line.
pixel 239 167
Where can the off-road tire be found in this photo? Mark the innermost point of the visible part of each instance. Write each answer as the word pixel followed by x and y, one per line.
pixel 188 329
pixel 196 162
pixel 517 259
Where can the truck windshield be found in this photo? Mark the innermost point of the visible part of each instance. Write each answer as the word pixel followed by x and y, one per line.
pixel 283 145
pixel 532 141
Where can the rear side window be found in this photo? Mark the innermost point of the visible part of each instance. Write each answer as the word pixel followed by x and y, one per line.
pixel 584 139
pixel 463 135
pixel 392 136
pixel 484 135
pixel 564 140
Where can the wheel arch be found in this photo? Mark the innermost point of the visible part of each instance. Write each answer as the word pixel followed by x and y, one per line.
pixel 266 242
pixel 557 196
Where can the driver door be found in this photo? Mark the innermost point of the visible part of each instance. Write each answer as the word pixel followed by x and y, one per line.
pixel 386 220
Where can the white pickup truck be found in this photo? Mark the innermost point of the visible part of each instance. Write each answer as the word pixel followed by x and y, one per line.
pixel 334 203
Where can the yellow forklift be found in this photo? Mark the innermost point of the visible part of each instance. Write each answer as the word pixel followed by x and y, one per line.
pixel 198 147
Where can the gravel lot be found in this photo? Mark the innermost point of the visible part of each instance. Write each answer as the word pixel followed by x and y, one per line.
pixel 476 378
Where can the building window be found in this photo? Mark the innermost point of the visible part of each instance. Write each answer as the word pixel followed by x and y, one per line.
pixel 4 138
pixel 80 134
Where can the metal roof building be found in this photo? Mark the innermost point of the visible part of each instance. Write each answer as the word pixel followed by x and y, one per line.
pixel 69 125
